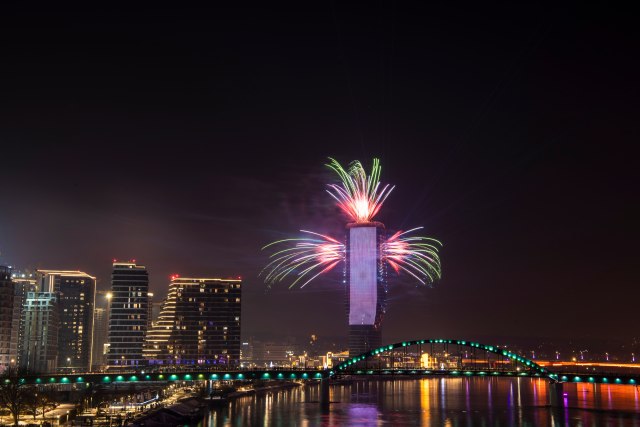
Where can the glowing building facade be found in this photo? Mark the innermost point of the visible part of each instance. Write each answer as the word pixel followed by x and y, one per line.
pixel 366 286
pixel 128 317
pixel 198 324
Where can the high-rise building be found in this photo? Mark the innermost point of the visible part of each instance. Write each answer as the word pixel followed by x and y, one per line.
pixel 76 292
pixel 38 347
pixel 6 317
pixel 23 283
pixel 366 290
pixel 129 315
pixel 101 329
pixel 198 324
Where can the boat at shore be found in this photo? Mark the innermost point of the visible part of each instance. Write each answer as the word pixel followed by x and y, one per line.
pixel 184 411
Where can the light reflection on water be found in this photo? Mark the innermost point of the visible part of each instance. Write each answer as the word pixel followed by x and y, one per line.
pixel 436 402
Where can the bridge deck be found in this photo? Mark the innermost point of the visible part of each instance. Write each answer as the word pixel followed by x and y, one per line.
pixel 239 375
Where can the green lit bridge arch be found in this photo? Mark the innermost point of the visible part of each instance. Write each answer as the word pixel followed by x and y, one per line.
pixel 531 368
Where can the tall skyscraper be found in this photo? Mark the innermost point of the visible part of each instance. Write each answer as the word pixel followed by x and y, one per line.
pixel 38 346
pixel 101 329
pixel 198 324
pixel 129 315
pixel 23 283
pixel 76 292
pixel 6 317
pixel 366 290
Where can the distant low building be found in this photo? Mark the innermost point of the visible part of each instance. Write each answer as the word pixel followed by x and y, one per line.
pixel 266 354
pixel 246 353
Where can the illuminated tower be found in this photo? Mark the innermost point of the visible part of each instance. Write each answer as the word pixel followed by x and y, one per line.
pixel 366 253
pixel 366 287
pixel 128 317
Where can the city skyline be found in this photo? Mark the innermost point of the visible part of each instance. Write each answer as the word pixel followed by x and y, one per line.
pixel 353 213
pixel 191 153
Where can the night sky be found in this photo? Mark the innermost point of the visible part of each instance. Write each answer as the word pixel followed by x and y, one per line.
pixel 189 138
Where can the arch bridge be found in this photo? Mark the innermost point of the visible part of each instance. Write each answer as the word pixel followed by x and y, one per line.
pixel 462 358
pixel 428 357
pixel 441 357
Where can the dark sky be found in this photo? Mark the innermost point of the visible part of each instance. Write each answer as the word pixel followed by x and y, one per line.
pixel 189 138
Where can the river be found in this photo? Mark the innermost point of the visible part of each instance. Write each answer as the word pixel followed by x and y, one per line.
pixel 436 402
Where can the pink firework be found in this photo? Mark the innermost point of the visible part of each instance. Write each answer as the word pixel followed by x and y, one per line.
pixel 415 255
pixel 359 196
pixel 308 258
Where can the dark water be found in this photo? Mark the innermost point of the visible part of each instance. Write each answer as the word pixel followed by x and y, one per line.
pixel 437 402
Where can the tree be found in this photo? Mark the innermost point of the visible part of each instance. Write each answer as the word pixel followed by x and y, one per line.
pixel 47 401
pixel 14 394
pixel 41 400
pixel 86 398
pixel 32 405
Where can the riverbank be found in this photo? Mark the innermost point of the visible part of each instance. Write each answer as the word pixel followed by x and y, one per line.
pixel 191 409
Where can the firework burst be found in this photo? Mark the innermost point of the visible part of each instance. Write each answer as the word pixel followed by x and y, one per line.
pixel 416 255
pixel 308 258
pixel 359 195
